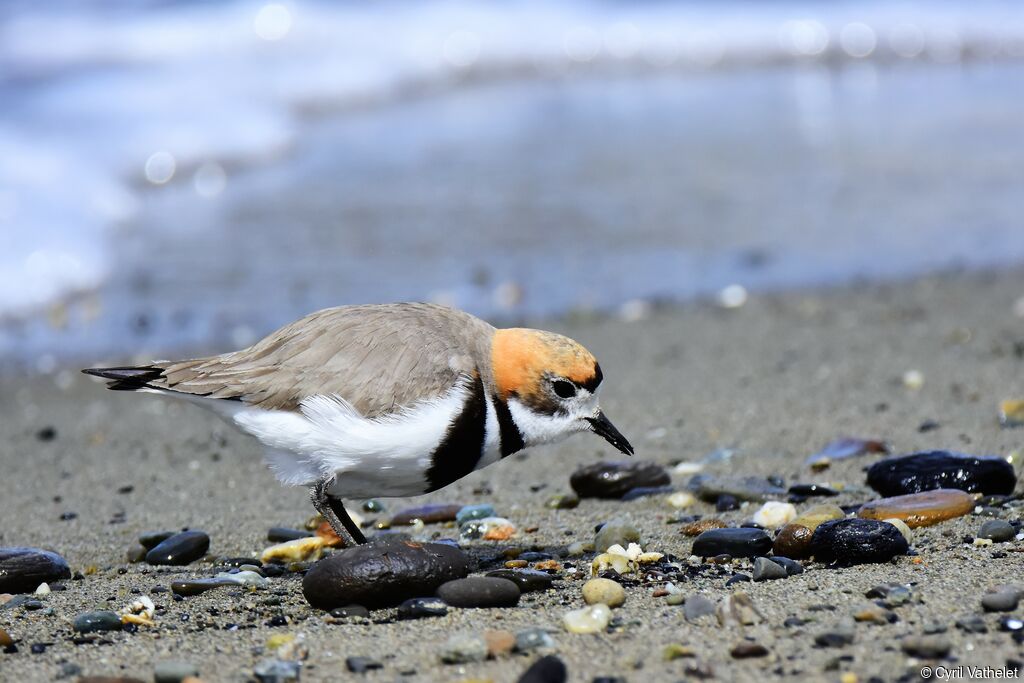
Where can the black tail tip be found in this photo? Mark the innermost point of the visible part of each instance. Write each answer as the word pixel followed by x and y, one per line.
pixel 126 379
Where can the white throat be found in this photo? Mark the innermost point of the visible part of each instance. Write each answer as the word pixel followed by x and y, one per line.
pixel 538 428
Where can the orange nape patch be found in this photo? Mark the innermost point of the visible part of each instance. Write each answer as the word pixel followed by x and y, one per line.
pixel 520 358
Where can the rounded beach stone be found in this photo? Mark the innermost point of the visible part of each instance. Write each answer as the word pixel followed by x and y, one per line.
pixel 428 514
pixel 528 580
pixel 419 608
pixel 615 532
pixel 997 530
pixel 857 541
pixel 733 542
pixel 603 591
pixel 615 479
pixel 480 591
pixel 23 569
pixel 88 622
pixel 920 509
pixel 702 525
pixel 179 549
pixel 929 470
pixel 382 573
pixel 766 570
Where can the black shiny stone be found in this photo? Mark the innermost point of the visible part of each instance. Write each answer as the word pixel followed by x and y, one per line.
pixel 930 470
pixel 857 541
pixel 23 569
pixel 733 542
pixel 180 549
pixel 616 479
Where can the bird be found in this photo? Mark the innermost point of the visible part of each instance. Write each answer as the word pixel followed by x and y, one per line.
pixel 388 400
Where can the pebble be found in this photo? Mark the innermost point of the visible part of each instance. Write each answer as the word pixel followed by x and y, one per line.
pixel 151 539
pixel 756 489
pixel 173 671
pixel 929 470
pixel 738 610
pixel 534 639
pixel 845 447
pixel 23 569
pixel 725 503
pixel 615 479
pixel 774 514
pixel 277 671
pixel 646 492
pixel 179 549
pixel 902 526
pixel 972 623
pixel 857 541
pixel 812 491
pixel 615 532
pixel 298 550
pixel 746 649
pixel 464 648
pixel 697 606
pixel 734 542
pixel 1011 413
pixel 470 512
pixel 605 561
pixel 487 529
pixel 920 509
pixel 420 608
pixel 702 525
pixel 838 636
pixel 382 573
pixel 874 614
pixel 196 586
pixel 499 642
pixel 480 591
pixel 428 514
pixel 791 566
pixel 674 651
pixel 997 530
pixel 765 570
pixel 528 580
pixel 373 506
pixel 603 591
pixel 350 612
pixel 926 646
pixel 89 622
pixel 681 500
pixel 890 594
pixel 590 619
pixel 547 669
pixel 563 501
pixel 1001 599
pixel 360 665
pixel 281 534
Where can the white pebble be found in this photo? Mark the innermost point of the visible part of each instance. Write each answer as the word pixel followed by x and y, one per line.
pixel 688 468
pixel 44 589
pixel 774 514
pixel 913 379
pixel 904 529
pixel 681 500
pixel 592 619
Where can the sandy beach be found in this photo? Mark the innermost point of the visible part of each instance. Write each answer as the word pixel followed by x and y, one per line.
pixel 775 380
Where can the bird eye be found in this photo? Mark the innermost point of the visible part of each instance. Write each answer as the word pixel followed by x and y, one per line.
pixel 564 389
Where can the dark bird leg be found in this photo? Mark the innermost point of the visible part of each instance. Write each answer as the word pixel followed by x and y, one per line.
pixel 334 512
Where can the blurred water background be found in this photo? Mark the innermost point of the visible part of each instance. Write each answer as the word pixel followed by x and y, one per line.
pixel 181 176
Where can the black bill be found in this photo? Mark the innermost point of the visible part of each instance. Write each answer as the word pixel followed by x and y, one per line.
pixel 601 426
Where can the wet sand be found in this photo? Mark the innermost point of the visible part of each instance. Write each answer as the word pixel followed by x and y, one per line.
pixel 775 379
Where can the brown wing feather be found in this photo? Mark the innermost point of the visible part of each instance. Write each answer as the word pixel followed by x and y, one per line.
pixel 376 357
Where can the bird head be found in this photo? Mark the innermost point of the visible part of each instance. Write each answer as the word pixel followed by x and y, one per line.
pixel 550 385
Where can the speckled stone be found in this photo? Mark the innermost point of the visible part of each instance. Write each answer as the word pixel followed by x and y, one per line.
pixel 857 541
pixel 920 509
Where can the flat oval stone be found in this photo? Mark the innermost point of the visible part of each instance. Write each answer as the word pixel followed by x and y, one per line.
pixel 920 509
pixel 428 514
pixel 757 489
pixel 615 479
pixel 88 622
pixel 733 542
pixel 23 569
pixel 480 591
pixel 151 539
pixel 197 586
pixel 420 608
pixel 528 580
pixel 382 573
pixel 180 549
pixel 857 541
pixel 929 470
pixel 702 525
pixel 470 512
pixel 997 530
